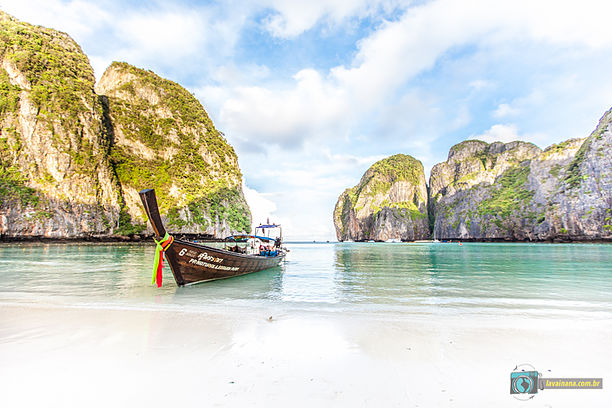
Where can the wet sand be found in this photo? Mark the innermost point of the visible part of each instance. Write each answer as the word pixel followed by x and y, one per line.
pixel 65 357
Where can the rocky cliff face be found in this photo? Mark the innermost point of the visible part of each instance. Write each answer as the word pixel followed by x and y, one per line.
pixel 522 193
pixel 72 160
pixel 578 194
pixel 390 202
pixel 55 177
pixel 164 139
pixel 479 190
pixel 497 191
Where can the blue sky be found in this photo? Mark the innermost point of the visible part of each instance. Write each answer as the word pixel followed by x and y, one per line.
pixel 311 93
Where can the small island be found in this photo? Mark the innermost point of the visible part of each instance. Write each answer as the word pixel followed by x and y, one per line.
pixel 390 202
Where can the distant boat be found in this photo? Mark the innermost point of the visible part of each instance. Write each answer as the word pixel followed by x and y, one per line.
pixel 394 240
pixel 195 263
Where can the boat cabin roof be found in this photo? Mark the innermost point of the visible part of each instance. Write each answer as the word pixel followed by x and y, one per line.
pixel 245 237
pixel 264 226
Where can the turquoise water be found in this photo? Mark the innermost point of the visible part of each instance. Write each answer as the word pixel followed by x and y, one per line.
pixel 570 280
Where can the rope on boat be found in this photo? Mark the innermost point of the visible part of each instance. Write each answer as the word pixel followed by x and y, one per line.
pixel 160 247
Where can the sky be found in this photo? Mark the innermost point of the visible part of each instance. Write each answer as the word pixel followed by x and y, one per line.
pixel 312 92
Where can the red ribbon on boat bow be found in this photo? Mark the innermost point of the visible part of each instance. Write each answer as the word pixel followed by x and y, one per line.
pixel 161 246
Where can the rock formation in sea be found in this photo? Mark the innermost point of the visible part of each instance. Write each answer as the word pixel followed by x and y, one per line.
pixel 498 191
pixel 72 159
pixel 390 202
pixel 515 191
pixel 479 190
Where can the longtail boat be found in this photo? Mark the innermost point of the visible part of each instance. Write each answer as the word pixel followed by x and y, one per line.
pixel 193 263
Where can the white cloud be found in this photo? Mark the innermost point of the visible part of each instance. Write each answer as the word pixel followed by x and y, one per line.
pixel 177 39
pixel 499 133
pixel 231 74
pixel 569 22
pixel 262 208
pixel 349 159
pixel 314 103
pixel 480 84
pixel 152 35
pixel 504 110
pixel 506 133
pixel 285 117
pixel 292 18
pixel 77 18
pixel 164 34
pixel 399 50
pixel 99 65
pixel 462 118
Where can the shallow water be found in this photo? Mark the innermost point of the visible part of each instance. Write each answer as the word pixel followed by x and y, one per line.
pixel 424 279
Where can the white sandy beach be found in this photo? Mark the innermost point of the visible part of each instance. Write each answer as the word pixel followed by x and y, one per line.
pixel 78 357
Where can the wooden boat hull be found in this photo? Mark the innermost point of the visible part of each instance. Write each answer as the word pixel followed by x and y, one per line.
pixel 194 263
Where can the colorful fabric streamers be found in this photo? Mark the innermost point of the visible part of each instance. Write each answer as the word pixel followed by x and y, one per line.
pixel 161 246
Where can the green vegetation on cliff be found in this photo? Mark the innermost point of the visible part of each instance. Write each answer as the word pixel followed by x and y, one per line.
pixel 125 227
pixel 166 140
pixel 183 106
pixel 407 209
pixel 508 194
pixel 467 144
pixel 224 204
pixel 9 94
pixel 381 175
pixel 58 73
pixel 574 175
pixel 13 187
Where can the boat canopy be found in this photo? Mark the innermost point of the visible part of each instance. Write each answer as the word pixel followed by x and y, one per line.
pixel 245 237
pixel 268 226
pixel 265 230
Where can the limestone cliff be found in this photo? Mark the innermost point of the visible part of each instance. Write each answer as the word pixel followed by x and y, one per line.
pixel 522 193
pixel 55 177
pixel 578 193
pixel 479 191
pixel 498 191
pixel 390 202
pixel 72 160
pixel 163 138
